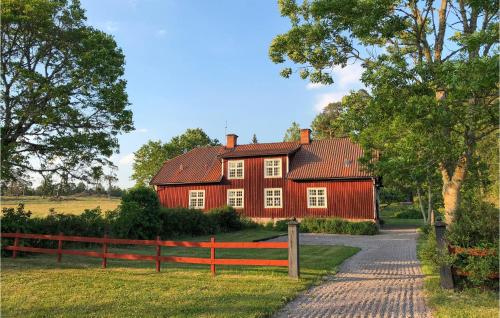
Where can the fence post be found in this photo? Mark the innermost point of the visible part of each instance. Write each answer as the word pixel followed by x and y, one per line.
pixel 444 270
pixel 16 244
pixel 293 249
pixel 158 253
pixel 59 248
pixel 104 251
pixel 212 255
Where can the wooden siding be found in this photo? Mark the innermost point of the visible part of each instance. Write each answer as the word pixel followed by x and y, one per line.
pixel 350 199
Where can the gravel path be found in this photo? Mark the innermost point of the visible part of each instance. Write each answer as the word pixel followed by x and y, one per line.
pixel 382 280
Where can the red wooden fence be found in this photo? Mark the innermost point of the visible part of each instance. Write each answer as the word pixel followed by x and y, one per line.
pixel 105 241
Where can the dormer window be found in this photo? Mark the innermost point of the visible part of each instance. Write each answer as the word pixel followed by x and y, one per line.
pixel 236 169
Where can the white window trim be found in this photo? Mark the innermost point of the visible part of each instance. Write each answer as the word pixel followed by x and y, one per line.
pixel 189 199
pixel 235 162
pixel 317 207
pixel 281 199
pixel 280 166
pixel 242 201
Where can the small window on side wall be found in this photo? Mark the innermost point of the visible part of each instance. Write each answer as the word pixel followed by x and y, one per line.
pixel 272 168
pixel 236 169
pixel 197 199
pixel 316 197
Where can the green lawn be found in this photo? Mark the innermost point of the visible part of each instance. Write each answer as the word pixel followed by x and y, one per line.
pixel 37 286
pixel 469 303
pixel 387 214
pixel 69 205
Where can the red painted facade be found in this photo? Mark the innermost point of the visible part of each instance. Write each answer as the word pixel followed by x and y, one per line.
pixel 348 199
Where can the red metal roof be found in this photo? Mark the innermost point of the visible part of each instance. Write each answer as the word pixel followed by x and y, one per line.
pixel 327 159
pixel 257 150
pixel 321 159
pixel 200 165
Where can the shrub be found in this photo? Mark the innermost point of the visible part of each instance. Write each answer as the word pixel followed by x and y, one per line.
pixel 337 226
pixel 182 221
pixel 281 225
pixel 139 214
pixel 410 213
pixel 226 219
pixel 476 225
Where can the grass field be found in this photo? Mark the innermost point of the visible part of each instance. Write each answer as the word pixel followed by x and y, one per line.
pixel 37 286
pixel 69 205
pixel 387 214
pixel 469 303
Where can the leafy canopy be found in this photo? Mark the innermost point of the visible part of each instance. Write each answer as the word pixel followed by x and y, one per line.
pixel 431 68
pixel 63 94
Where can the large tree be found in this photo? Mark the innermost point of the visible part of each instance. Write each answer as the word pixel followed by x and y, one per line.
pixel 292 133
pixel 63 97
pixel 150 157
pixel 432 66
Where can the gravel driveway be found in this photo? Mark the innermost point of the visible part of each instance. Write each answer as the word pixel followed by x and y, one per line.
pixel 382 280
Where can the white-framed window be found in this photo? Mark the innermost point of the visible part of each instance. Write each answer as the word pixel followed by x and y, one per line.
pixel 236 198
pixel 316 197
pixel 273 198
pixel 236 169
pixel 197 199
pixel 272 168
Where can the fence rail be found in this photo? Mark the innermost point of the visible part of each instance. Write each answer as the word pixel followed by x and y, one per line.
pixel 157 258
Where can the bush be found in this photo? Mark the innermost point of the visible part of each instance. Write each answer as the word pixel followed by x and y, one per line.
pixel 475 226
pixel 226 219
pixel 139 214
pixel 182 221
pixel 281 225
pixel 410 213
pixel 337 226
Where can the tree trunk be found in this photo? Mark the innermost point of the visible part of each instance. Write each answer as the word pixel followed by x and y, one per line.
pixel 421 204
pixel 430 215
pixel 451 188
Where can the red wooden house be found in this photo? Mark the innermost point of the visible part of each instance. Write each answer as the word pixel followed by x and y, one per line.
pixel 267 181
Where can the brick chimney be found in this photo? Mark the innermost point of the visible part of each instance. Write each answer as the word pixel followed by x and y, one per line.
pixel 231 140
pixel 305 136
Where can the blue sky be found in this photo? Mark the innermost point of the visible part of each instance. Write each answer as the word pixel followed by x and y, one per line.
pixel 198 64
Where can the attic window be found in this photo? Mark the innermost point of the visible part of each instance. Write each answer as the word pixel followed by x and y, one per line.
pixel 347 162
pixel 236 169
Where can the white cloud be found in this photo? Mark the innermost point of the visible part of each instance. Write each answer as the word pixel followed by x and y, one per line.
pixel 345 80
pixel 111 26
pixel 323 100
pixel 142 130
pixel 161 33
pixel 310 86
pixel 126 160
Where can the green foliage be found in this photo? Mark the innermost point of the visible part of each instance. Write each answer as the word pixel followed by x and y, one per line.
pixel 411 213
pixel 327 124
pixel 182 221
pixel 226 219
pixel 477 225
pixel 149 158
pixel 433 97
pixel 292 133
pixel 64 98
pixel 139 214
pixel 281 225
pixel 337 226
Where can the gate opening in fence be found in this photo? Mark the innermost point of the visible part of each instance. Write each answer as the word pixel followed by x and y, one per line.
pixel 292 245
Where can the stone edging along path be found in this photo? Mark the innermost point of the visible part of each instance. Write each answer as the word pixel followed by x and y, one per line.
pixel 384 279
